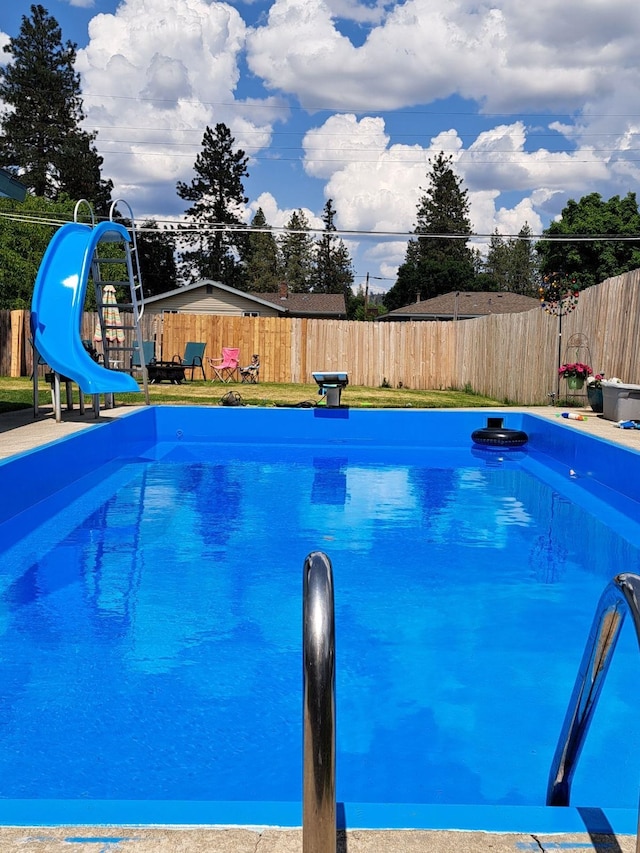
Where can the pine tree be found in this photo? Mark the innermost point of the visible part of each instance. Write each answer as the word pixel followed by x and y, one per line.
pixel 41 140
pixel 333 267
pixel 511 263
pixel 157 259
pixel 217 193
pixel 262 262
pixel 437 264
pixel 496 265
pixel 297 250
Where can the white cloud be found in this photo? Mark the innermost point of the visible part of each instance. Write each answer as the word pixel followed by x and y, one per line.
pixel 376 184
pixel 277 217
pixel 4 57
pixel 505 55
pixel 155 74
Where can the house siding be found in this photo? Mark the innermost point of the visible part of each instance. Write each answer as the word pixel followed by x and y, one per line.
pixel 200 302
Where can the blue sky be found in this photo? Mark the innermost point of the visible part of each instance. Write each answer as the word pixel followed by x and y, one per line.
pixel 344 99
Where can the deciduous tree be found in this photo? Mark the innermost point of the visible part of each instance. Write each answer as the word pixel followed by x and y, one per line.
pixel 25 232
pixel 589 262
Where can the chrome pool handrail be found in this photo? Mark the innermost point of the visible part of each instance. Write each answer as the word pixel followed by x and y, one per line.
pixel 319 707
pixel 620 596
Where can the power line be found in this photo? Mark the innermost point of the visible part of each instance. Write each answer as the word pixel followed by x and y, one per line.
pixel 340 108
pixel 177 229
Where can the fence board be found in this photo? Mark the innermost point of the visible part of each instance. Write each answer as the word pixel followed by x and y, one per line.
pixel 508 356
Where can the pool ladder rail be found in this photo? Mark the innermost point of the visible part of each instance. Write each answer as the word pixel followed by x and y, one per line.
pixel 319 706
pixel 119 356
pixel 621 595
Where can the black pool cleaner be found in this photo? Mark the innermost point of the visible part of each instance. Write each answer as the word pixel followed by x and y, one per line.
pixel 494 434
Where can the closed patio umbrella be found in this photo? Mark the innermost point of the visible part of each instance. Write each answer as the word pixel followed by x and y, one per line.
pixel 111 317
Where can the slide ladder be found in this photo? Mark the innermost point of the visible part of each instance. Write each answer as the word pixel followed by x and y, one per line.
pixel 118 355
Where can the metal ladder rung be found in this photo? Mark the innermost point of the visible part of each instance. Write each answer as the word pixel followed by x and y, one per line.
pixel 133 308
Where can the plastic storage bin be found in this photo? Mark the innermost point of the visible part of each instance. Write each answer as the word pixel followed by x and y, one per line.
pixel 620 402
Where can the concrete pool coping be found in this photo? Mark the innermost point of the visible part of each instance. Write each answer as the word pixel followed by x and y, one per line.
pixel 210 840
pixel 20 432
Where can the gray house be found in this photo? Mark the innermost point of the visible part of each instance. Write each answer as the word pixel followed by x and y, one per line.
pixel 213 297
pixel 463 305
pixel 10 187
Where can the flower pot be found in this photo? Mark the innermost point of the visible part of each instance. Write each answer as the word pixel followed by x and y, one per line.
pixel 594 396
pixel 575 383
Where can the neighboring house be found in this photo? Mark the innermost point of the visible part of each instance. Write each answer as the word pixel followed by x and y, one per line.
pixel 321 306
pixel 213 297
pixel 463 305
pixel 11 187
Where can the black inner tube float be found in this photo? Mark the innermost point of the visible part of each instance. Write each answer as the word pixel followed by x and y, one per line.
pixel 494 434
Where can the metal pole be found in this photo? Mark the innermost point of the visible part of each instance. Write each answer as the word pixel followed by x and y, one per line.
pixel 559 349
pixel 620 597
pixel 319 707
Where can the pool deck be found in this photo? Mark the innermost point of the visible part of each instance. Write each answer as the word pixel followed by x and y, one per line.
pixel 20 432
pixel 203 840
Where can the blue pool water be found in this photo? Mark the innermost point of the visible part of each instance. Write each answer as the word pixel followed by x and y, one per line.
pixel 150 607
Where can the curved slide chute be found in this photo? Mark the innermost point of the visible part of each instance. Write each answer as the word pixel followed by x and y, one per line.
pixel 58 303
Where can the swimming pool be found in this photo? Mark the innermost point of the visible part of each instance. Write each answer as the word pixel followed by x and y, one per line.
pixel 151 589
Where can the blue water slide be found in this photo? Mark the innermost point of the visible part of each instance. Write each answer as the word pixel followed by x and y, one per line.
pixel 58 303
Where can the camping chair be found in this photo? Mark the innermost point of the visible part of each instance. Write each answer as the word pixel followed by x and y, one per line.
pixel 192 358
pixel 224 368
pixel 148 353
pixel 251 373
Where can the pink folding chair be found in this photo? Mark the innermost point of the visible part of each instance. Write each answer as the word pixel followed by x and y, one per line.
pixel 226 367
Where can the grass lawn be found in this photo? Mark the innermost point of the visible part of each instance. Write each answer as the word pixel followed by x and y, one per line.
pixel 17 394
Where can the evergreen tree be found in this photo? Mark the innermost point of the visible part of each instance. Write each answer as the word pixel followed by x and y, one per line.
pixel 333 268
pixel 262 262
pixel 157 259
pixel 437 264
pixel 524 264
pixel 297 250
pixel 217 193
pixel 590 262
pixel 496 265
pixel 512 264
pixel 41 140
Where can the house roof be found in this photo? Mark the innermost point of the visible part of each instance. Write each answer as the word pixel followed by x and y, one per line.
pixel 310 304
pixel 463 305
pixel 296 304
pixel 207 282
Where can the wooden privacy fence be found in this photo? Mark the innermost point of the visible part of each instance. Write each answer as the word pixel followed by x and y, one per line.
pixel 511 357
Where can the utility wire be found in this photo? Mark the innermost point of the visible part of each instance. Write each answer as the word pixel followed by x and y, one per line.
pixel 177 229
